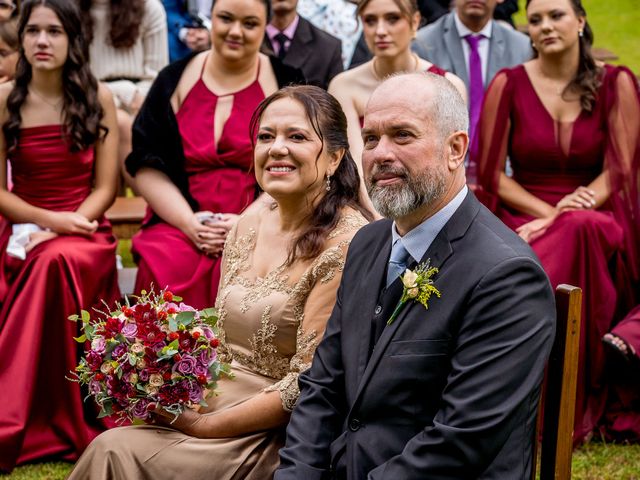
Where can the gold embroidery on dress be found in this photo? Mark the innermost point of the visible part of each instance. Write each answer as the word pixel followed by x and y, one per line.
pixel 264 357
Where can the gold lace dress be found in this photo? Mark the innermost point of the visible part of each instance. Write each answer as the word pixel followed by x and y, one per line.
pixel 271 327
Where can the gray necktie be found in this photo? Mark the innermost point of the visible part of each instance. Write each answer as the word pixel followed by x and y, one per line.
pixel 398 261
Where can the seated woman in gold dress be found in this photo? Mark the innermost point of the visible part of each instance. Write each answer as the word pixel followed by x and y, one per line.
pixel 281 268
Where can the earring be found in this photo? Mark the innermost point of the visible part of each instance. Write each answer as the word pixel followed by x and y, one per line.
pixel 533 45
pixel 580 33
pixel 328 187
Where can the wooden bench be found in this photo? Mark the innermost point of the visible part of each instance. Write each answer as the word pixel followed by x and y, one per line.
pixel 126 215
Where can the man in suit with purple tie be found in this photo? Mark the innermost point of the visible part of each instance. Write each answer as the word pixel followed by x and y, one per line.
pixel 447 392
pixel 468 42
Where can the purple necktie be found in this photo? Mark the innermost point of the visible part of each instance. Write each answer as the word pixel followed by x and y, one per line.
pixel 476 85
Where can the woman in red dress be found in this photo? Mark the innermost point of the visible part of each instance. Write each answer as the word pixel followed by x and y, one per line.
pixel 388 28
pixel 192 152
pixel 571 129
pixel 60 135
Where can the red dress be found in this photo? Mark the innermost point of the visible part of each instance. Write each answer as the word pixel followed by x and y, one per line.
pixel 221 180
pixel 42 414
pixel 596 250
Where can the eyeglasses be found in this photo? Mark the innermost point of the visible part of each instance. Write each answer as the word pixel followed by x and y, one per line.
pixel 7 6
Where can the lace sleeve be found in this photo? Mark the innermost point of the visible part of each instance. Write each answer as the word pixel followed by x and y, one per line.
pixel 622 157
pixel 489 150
pixel 317 293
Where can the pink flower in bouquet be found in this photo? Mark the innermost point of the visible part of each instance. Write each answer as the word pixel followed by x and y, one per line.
pixel 141 409
pixel 99 345
pixel 129 330
pixel 186 365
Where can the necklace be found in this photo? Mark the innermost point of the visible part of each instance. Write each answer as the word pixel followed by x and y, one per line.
pixel 55 106
pixel 380 78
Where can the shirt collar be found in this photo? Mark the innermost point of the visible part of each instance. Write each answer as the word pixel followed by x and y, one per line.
pixel 418 240
pixel 463 31
pixel 289 32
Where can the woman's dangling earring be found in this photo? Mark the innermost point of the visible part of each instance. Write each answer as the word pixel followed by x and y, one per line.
pixel 328 187
pixel 580 33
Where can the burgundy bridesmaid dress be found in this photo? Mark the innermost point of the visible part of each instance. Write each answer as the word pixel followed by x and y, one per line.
pixel 42 413
pixel 596 250
pixel 221 180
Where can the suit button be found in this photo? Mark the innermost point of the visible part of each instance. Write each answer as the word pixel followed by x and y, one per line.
pixel 354 425
pixel 378 309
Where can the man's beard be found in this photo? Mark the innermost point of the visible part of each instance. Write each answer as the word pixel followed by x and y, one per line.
pixel 399 200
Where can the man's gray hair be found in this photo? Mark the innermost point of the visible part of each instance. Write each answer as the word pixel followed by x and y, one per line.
pixel 448 109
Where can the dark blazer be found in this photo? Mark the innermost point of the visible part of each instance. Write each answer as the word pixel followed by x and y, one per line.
pixel 440 43
pixel 447 393
pixel 156 140
pixel 316 53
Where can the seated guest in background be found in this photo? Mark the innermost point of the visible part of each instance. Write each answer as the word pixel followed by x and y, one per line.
pixel 128 49
pixel 275 298
pixel 9 49
pixel 447 392
pixel 186 35
pixel 8 9
pixel 57 253
pixel 389 26
pixel 338 18
pixel 470 44
pixel 432 10
pixel 571 129
pixel 298 43
pixel 192 152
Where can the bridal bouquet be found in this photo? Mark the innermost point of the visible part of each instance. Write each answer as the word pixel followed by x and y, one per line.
pixel 158 353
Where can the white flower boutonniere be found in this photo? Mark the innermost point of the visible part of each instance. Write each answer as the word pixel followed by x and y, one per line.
pixel 418 286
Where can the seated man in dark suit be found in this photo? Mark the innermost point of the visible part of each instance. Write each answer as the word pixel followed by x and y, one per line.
pixel 399 391
pixel 301 45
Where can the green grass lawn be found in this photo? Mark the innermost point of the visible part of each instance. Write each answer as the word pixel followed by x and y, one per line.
pixel 594 461
pixel 614 24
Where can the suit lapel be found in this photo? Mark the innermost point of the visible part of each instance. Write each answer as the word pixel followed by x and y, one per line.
pixel 439 251
pixel 454 49
pixel 300 47
pixel 496 53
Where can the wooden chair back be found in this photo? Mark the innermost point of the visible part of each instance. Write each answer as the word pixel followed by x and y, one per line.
pixel 557 403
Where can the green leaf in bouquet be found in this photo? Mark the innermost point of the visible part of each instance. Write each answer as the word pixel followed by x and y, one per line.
pixel 140 388
pixel 89 330
pixel 132 359
pixel 73 318
pixel 173 325
pixel 177 298
pixel 85 316
pixel 209 312
pixel 185 318
pixel 80 339
pixel 106 409
pixel 203 403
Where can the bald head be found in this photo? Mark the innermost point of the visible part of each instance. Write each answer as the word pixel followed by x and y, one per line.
pixel 425 95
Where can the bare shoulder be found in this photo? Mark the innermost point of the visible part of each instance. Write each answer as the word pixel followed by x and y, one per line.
pixel 351 77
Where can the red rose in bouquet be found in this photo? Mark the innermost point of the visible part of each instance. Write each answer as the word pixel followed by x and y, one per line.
pixel 156 353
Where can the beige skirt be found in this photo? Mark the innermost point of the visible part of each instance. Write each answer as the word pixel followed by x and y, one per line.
pixel 156 453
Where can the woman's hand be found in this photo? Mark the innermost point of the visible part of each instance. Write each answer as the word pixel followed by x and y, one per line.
pixel 535 228
pixel 582 198
pixel 188 422
pixel 208 237
pixel 69 223
pixel 37 238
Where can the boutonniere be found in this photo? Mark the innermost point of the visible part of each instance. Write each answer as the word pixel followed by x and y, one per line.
pixel 417 286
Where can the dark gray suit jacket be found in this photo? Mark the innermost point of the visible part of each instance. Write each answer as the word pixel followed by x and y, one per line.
pixel 316 53
pixel 447 393
pixel 440 44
